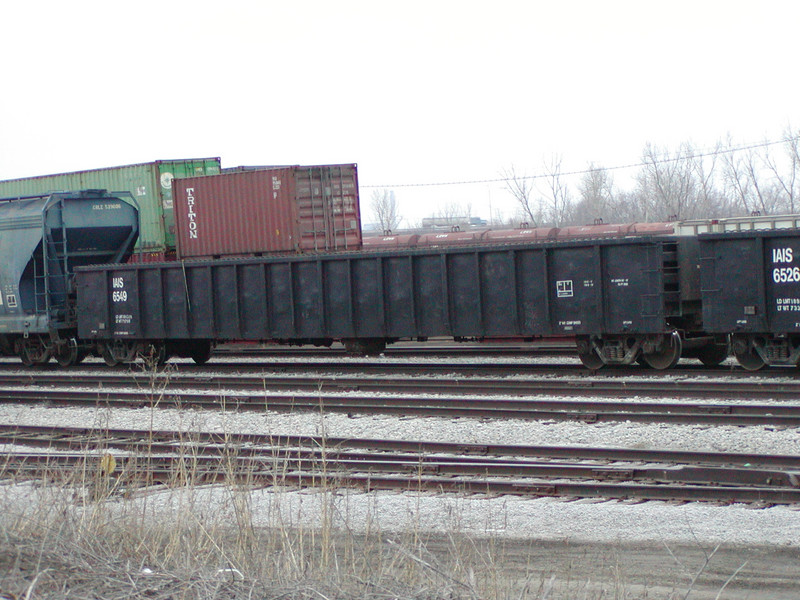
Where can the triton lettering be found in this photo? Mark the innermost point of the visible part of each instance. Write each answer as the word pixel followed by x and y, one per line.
pixel 191 214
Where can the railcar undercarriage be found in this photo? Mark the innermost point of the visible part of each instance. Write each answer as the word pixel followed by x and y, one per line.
pixel 657 351
pixel 755 351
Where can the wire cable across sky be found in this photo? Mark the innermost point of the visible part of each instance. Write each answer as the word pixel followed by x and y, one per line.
pixel 715 152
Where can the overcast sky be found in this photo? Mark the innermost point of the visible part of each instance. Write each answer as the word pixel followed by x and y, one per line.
pixel 415 92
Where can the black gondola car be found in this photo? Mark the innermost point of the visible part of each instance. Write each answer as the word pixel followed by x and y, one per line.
pixel 751 289
pixel 623 299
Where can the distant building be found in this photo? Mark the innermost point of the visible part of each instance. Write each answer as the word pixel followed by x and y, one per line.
pixel 450 222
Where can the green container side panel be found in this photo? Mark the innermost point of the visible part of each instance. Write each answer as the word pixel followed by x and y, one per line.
pixel 150 184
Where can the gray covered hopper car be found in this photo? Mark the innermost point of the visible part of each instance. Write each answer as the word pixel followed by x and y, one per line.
pixel 42 240
pixel 623 299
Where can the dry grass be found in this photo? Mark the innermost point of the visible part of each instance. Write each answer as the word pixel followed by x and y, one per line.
pixel 60 544
pixel 91 536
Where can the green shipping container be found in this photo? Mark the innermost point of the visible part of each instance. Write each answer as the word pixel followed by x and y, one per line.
pixel 151 186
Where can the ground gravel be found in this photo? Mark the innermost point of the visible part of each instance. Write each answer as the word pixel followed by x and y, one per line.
pixel 545 519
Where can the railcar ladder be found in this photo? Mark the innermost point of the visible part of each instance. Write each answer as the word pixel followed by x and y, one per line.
pixel 53 253
pixel 40 283
pixel 667 301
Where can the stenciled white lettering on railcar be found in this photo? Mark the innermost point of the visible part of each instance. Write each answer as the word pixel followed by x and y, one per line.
pixel 785 274
pixel 118 292
pixel 569 325
pixel 781 274
pixel 788 304
pixel 191 215
pixel 782 255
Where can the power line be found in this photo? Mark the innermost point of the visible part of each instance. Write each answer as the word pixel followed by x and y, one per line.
pixel 715 152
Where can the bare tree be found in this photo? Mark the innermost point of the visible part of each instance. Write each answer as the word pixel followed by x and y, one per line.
pixel 786 178
pixel 596 197
pixel 628 207
pixel 521 188
pixel 709 198
pixel 736 181
pixel 663 184
pixel 744 179
pixel 679 186
pixel 503 220
pixel 559 197
pixel 384 209
pixel 454 211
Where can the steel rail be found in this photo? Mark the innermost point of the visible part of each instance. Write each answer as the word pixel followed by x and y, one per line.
pixel 509 408
pixel 730 485
pixel 83 438
pixel 592 411
pixel 389 365
pixel 582 386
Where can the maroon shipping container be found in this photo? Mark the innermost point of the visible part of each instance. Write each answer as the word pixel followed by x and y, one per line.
pixel 255 212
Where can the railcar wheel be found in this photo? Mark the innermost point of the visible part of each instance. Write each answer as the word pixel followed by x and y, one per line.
pixel 588 355
pixel 713 355
pixel 155 355
pixel 107 355
pixel 668 355
pixel 32 352
pixel 26 359
pixel 67 354
pixel 749 359
pixel 591 360
pixel 200 352
pixel 119 351
pixel 746 354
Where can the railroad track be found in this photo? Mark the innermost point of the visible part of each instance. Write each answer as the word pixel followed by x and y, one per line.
pixel 448 365
pixel 532 408
pixel 142 458
pixel 748 389
pixel 161 457
pixel 387 365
